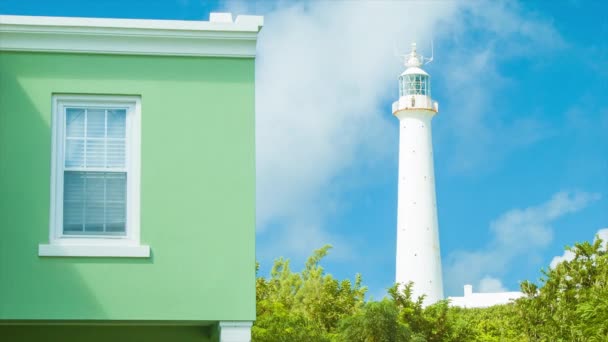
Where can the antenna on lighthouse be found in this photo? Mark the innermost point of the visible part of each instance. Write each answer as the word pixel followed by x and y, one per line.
pixel 414 58
pixel 429 60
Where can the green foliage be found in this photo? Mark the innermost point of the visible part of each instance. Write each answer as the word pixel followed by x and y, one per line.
pixel 570 304
pixel 377 322
pixel 437 322
pixel 494 324
pixel 305 306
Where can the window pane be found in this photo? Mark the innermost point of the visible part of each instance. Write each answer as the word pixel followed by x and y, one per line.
pixel 96 123
pixel 115 203
pixel 115 187
pixel 74 122
pixel 95 138
pixel 116 123
pixel 416 85
pixel 94 222
pixel 73 217
pixel 74 153
pixel 73 185
pixel 116 195
pixel 94 186
pixel 73 202
pixel 115 217
pixel 94 203
pixel 116 153
pixel 96 153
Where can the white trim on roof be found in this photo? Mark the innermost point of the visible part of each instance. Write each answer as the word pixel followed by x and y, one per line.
pixel 219 37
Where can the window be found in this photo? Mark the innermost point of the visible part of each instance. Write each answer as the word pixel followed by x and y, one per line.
pixel 95 177
pixel 413 84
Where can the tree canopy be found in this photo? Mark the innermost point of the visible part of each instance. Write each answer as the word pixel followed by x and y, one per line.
pixel 570 303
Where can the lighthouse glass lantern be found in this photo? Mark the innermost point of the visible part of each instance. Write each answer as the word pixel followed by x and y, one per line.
pixel 415 84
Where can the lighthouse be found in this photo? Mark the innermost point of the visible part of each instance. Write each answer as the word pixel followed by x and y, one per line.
pixel 418 257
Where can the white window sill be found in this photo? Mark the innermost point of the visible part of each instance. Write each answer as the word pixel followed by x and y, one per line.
pixel 141 251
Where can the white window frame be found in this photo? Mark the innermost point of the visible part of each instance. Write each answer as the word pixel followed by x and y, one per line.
pixel 127 245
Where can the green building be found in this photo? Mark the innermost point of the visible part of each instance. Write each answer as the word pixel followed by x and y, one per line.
pixel 127 179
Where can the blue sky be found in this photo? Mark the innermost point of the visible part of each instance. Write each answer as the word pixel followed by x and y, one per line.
pixel 521 149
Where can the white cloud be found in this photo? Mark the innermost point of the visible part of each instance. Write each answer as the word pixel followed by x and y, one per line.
pixel 325 74
pixel 490 284
pixel 603 234
pixel 516 233
pixel 568 255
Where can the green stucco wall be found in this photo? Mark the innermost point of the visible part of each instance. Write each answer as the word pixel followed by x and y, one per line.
pixel 197 190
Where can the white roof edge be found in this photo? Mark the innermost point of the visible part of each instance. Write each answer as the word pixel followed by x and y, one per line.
pixel 220 37
pixel 243 23
pixel 415 71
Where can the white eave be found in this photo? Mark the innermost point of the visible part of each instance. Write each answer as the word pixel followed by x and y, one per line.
pixel 220 37
pixel 414 71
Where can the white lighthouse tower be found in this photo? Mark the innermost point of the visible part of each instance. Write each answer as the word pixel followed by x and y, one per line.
pixel 418 258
